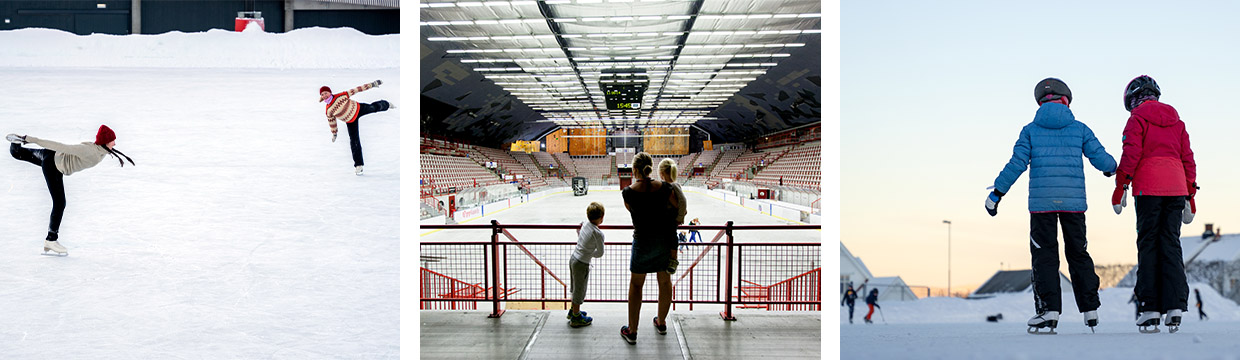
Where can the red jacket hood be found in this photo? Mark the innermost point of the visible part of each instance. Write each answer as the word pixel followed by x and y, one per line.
pixel 1156 113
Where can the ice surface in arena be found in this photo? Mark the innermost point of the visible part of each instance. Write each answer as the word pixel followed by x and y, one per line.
pixel 242 231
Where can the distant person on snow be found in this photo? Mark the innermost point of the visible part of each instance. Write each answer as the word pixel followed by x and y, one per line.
pixel 872 301
pixel 850 299
pixel 1158 164
pixel 341 107
pixel 1201 312
pixel 1051 147
pixel 59 160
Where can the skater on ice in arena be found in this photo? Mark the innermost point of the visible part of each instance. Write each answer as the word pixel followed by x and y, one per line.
pixel 872 301
pixel 1050 147
pixel 667 173
pixel 589 245
pixel 1157 167
pixel 59 160
pixel 651 204
pixel 341 107
pixel 850 299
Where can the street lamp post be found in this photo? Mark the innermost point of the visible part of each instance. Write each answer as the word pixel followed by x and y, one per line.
pixel 949 257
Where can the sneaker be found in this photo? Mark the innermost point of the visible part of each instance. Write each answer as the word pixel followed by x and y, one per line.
pixel 662 329
pixel 357 170
pixel 570 314
pixel 14 138
pixel 580 320
pixel 54 246
pixel 630 337
pixel 671 266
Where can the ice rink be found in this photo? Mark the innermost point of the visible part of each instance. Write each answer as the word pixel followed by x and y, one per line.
pixel 242 231
pixel 564 208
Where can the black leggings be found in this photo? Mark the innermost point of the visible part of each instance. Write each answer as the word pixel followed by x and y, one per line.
pixel 355 140
pixel 45 159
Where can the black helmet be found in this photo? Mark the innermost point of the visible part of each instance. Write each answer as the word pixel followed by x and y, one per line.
pixel 1138 88
pixel 1051 89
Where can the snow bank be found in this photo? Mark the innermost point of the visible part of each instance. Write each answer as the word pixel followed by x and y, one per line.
pixel 310 48
pixel 1017 308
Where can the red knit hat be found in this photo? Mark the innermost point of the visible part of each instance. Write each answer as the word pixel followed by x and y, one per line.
pixel 105 135
pixel 327 89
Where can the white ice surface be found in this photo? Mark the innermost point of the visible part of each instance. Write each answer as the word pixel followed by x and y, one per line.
pixel 241 233
pixel 952 328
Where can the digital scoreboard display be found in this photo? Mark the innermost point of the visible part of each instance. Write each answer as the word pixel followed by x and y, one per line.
pixel 623 89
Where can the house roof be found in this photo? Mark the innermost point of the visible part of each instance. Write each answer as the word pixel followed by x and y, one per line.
pixel 1009 281
pixel 1197 249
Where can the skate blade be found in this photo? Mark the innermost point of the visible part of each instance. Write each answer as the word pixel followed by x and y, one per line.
pixel 1037 331
pixel 1173 329
pixel 1149 331
pixel 56 254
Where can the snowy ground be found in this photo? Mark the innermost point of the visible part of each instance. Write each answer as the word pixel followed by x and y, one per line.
pixel 241 233
pixel 942 328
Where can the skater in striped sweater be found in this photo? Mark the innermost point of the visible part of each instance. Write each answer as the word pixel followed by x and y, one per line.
pixel 341 107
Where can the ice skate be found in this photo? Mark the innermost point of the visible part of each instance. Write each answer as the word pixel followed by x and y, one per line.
pixel 1173 320
pixel 14 138
pixel 1047 319
pixel 1091 319
pixel 357 170
pixel 1148 319
pixel 55 248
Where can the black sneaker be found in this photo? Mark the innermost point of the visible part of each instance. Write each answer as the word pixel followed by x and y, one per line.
pixel 630 337
pixel 661 328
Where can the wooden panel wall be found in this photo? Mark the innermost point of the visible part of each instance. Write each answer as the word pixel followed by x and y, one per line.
pixel 588 146
pixel 657 141
pixel 556 142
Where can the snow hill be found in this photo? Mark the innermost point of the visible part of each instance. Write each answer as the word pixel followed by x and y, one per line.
pixel 310 48
pixel 241 233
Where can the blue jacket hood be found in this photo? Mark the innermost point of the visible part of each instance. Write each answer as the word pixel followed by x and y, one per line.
pixel 1053 116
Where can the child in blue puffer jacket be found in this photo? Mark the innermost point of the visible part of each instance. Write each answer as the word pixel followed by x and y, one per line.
pixel 1051 147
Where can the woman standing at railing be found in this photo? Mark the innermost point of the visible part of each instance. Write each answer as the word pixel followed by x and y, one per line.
pixel 652 204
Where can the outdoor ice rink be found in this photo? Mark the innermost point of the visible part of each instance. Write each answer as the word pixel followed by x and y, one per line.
pixel 242 231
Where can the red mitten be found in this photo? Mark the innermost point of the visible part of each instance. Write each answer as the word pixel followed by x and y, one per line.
pixel 1190 211
pixel 1119 198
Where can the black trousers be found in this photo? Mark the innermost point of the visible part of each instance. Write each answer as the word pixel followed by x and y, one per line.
pixel 45 159
pixel 1161 282
pixel 1044 246
pixel 355 140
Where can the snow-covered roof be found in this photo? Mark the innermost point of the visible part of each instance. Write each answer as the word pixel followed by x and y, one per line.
pixel 852 268
pixel 1010 281
pixel 1197 249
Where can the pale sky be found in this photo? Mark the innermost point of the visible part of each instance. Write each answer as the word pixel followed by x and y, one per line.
pixel 934 94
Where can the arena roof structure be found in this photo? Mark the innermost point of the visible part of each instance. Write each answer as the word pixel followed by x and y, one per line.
pixel 513 70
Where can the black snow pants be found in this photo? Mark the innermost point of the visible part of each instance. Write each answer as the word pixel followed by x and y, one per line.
pixel 355 140
pixel 1161 282
pixel 45 159
pixel 1044 246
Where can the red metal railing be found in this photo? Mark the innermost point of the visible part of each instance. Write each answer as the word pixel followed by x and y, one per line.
pixel 774 276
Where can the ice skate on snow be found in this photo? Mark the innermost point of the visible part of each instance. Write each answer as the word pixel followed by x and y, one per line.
pixel 55 248
pixel 357 170
pixel 1046 319
pixel 1147 319
pixel 1173 320
pixel 1091 319
pixel 13 138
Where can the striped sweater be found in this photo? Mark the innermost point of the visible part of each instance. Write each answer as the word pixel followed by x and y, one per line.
pixel 344 109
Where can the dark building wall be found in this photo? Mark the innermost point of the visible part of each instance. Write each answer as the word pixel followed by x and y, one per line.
pixel 373 22
pixel 161 16
pixel 78 17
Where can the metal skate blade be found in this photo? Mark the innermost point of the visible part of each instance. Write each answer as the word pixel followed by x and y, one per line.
pixel 1173 329
pixel 55 254
pixel 1036 331
pixel 1154 330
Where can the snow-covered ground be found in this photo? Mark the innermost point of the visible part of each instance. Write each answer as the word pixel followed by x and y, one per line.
pixel 242 231
pixel 952 328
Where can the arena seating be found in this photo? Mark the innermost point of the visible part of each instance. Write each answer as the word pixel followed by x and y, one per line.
pixel 799 167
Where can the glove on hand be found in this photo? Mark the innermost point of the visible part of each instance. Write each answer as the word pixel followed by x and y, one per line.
pixel 1119 198
pixel 1190 209
pixel 333 137
pixel 992 202
pixel 377 82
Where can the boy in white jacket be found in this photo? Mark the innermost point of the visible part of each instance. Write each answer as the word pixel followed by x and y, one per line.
pixel 589 245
